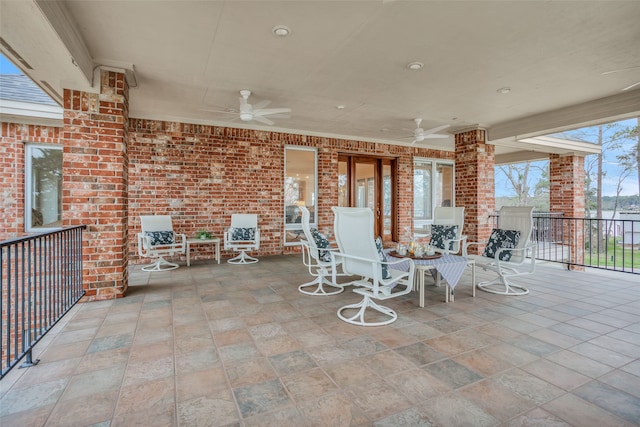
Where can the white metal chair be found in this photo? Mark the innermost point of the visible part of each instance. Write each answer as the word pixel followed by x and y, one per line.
pixel 504 255
pixel 443 218
pixel 157 240
pixel 242 236
pixel 317 258
pixel 360 256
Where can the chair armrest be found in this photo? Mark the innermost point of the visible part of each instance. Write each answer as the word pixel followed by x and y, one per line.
pixel 510 264
pixel 466 246
pixel 447 243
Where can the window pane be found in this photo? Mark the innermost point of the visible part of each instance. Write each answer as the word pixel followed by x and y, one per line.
pixel 44 187
pixel 444 189
pixel 299 190
pixel 387 200
pixel 343 187
pixel 422 211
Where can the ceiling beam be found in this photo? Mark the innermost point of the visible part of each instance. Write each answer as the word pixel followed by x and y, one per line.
pixel 67 30
pixel 605 110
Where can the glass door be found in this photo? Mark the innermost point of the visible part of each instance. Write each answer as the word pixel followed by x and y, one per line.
pixel 369 182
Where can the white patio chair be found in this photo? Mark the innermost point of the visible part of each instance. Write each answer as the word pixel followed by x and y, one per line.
pixel 317 258
pixel 507 255
pixel 446 230
pixel 157 240
pixel 243 235
pixel 360 256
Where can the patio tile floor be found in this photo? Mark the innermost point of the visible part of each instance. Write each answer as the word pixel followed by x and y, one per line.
pixel 228 345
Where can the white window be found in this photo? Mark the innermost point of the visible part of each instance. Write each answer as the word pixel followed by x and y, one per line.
pixel 300 189
pixel 43 187
pixel 433 185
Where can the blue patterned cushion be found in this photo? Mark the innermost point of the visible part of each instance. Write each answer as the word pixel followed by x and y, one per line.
pixel 440 233
pixel 160 237
pixel 501 239
pixel 321 242
pixel 383 257
pixel 242 234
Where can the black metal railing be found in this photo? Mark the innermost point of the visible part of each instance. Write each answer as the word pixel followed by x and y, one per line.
pixel 611 244
pixel 41 279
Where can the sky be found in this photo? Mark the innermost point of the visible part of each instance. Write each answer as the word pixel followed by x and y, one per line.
pixel 611 167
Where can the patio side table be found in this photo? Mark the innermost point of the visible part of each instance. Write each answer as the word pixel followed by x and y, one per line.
pixel 195 241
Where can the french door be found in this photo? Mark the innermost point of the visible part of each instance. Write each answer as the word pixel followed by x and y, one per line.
pixel 370 182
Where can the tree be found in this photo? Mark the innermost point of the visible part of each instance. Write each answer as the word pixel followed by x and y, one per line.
pixel 529 182
pixel 630 159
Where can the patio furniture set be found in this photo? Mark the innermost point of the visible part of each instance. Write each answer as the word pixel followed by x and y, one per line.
pixel 382 273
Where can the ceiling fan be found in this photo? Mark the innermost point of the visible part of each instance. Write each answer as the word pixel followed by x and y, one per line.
pixel 621 70
pixel 257 112
pixel 420 134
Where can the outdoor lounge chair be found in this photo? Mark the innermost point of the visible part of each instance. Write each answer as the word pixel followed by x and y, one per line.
pixel 157 240
pixel 361 255
pixel 508 252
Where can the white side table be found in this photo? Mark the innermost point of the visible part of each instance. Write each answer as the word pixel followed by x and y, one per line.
pixel 195 241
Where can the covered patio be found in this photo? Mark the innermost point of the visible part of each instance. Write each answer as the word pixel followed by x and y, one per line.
pixel 223 345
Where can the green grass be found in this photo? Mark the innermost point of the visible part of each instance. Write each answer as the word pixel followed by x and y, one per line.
pixel 615 257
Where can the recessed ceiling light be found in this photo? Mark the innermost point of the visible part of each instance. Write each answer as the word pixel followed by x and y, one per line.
pixel 281 30
pixel 415 66
pixel 341 107
pixel 504 90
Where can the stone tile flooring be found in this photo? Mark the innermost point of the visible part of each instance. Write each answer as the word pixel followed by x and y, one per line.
pixel 228 345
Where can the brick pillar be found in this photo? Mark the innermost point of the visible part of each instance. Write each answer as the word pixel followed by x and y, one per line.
pixel 475 188
pixel 566 195
pixel 95 163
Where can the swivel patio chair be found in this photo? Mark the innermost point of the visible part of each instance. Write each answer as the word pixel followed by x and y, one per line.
pixel 446 230
pixel 242 236
pixel 509 251
pixel 363 256
pixel 316 256
pixel 157 240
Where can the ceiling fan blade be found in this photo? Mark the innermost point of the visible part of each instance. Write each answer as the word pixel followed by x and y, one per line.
pixel 267 111
pixel 263 120
pixel 620 70
pixel 434 130
pixel 435 136
pixel 631 87
pixel 261 104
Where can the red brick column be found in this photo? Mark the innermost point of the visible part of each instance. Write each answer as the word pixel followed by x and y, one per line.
pixel 566 195
pixel 95 163
pixel 475 188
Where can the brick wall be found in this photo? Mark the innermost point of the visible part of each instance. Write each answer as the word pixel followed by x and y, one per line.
pixel 95 167
pixel 13 137
pixel 202 174
pixel 475 188
pixel 566 195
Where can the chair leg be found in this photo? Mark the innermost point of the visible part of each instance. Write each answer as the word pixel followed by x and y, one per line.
pixel 160 264
pixel 243 258
pixel 358 318
pixel 320 290
pixel 502 286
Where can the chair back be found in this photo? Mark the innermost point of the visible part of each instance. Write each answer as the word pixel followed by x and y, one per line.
pixel 306 228
pixel 244 220
pixel 447 215
pixel 151 223
pixel 353 228
pixel 518 218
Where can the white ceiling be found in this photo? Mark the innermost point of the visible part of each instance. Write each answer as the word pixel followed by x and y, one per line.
pixel 194 57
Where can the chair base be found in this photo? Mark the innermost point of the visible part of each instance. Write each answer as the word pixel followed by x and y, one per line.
pixel 160 264
pixel 320 290
pixel 358 318
pixel 502 286
pixel 243 258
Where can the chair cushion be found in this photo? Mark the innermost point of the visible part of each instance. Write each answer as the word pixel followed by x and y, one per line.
pixel 383 257
pixel 160 237
pixel 242 234
pixel 440 233
pixel 501 239
pixel 321 242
